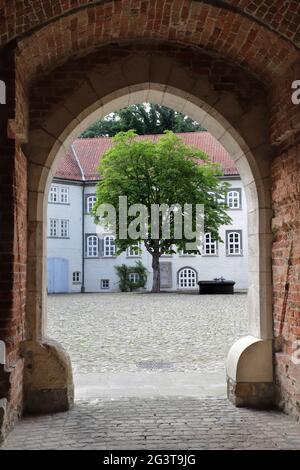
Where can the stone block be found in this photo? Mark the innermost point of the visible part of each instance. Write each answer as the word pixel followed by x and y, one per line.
pixel 258 395
pixel 48 381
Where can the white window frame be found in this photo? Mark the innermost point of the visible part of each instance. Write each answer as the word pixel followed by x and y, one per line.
pixel 76 277
pixel 134 277
pixel 58 194
pixel 234 243
pixel 102 284
pixel 185 253
pixel 53 228
pixel 210 245
pixel 89 204
pixel 184 282
pixel 109 247
pixel 233 199
pixel 64 228
pixel 92 246
pixel 134 252
pixel 64 195
pixel 54 194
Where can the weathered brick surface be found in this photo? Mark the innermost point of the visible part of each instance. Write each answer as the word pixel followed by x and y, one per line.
pixel 197 24
pixel 13 213
pixel 286 275
pixel 285 116
pixel 13 245
pixel 13 326
pixel 19 17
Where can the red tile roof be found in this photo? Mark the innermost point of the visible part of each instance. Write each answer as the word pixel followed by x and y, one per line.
pixel 84 155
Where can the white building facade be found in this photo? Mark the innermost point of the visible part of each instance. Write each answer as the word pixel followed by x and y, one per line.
pixel 79 260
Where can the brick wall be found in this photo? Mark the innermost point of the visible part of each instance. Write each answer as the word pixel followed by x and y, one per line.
pixel 19 17
pixel 197 24
pixel 13 240
pixel 286 276
pixel 13 246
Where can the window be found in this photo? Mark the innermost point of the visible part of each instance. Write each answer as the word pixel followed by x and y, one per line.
pixel 64 195
pixel 90 201
pixel 92 246
pixel 234 199
pixel 210 245
pixel 134 250
pixel 76 277
pixel 64 228
pixel 134 277
pixel 187 278
pixel 59 194
pixel 234 243
pixel 109 246
pixel 104 283
pixel 53 194
pixel 53 228
pixel 59 228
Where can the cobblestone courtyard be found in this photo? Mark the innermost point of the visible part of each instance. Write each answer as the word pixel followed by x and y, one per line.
pixel 147 344
pixel 127 332
pixel 150 371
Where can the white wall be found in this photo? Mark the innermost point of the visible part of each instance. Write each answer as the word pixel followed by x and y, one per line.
pixel 207 267
pixel 69 248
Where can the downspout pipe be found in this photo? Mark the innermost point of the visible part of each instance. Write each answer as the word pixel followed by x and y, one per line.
pixel 83 220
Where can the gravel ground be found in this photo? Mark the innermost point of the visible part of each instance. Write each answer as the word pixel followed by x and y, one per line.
pixel 128 332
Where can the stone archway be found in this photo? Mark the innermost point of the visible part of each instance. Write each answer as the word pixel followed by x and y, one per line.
pixel 243 132
pixel 62 63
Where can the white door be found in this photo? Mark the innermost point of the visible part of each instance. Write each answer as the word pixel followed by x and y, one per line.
pixel 58 275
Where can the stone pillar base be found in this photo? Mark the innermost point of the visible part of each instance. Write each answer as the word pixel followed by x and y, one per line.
pixel 259 395
pixel 48 381
pixel 3 405
pixel 250 373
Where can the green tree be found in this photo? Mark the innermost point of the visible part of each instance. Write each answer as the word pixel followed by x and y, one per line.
pixel 163 172
pixel 144 119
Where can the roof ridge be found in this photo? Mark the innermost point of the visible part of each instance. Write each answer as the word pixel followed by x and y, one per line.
pixel 77 161
pixel 80 139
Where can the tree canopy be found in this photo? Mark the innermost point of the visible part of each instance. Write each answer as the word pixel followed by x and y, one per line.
pixel 144 119
pixel 163 171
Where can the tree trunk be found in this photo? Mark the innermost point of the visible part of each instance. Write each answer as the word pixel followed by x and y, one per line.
pixel 156 272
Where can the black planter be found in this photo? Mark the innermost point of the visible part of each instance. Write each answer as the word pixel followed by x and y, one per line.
pixel 216 287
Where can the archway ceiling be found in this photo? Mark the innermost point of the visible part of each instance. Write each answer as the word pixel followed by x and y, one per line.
pixel 20 17
pixel 57 32
pixel 136 64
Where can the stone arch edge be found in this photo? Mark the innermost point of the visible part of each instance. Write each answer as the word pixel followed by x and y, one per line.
pixel 254 177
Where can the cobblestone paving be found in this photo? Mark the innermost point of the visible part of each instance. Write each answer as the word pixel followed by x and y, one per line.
pixel 159 423
pixel 117 333
pixel 131 332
